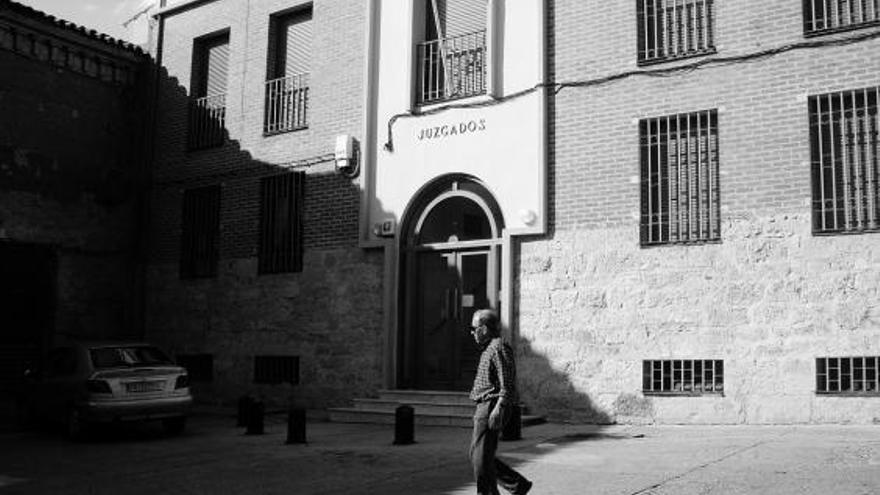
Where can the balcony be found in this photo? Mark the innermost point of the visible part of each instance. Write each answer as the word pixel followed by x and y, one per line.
pixel 287 103
pixel 207 121
pixel 452 68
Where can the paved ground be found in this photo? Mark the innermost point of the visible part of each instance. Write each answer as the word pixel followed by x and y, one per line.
pixel 213 457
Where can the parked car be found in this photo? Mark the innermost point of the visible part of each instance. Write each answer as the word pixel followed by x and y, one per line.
pixel 86 384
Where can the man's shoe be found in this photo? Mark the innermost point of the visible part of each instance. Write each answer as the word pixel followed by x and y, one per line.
pixel 524 488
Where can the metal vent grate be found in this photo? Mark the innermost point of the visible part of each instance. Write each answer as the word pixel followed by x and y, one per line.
pixel 276 369
pixel 682 376
pixel 199 367
pixel 848 375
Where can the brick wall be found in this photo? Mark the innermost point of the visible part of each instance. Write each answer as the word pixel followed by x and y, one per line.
pixel 330 209
pixel 769 299
pixel 70 163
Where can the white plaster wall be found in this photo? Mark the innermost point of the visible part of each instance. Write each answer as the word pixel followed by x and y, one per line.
pixel 506 152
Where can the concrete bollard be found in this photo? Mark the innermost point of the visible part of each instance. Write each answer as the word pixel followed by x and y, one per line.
pixel 244 406
pixel 255 416
pixel 404 424
pixel 296 426
pixel 512 429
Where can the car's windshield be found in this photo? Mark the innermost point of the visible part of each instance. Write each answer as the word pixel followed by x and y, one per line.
pixel 126 356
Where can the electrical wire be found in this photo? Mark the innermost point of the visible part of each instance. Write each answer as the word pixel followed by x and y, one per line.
pixel 660 72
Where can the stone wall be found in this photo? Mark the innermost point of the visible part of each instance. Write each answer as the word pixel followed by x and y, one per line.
pixel 330 315
pixel 768 300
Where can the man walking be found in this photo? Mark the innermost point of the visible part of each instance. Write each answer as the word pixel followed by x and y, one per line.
pixel 495 393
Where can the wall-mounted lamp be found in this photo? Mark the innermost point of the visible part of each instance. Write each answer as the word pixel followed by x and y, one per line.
pixel 346 155
pixel 528 217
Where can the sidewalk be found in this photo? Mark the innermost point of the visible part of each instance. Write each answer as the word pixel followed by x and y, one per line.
pixel 590 459
pixel 215 457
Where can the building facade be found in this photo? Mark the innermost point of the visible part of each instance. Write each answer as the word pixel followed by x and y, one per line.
pixel 713 202
pixel 256 280
pixel 72 172
pixel 670 203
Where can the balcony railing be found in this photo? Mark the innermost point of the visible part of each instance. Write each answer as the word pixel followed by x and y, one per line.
pixel 207 121
pixel 287 104
pixel 451 68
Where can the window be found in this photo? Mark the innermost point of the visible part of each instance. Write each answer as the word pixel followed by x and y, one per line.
pixel 199 367
pixel 848 375
pixel 201 226
pixel 845 161
pixel 281 223
pixel 682 376
pixel 679 179
pixel 671 29
pixel 276 369
pixel 287 87
pixel 452 59
pixel 207 117
pixel 824 16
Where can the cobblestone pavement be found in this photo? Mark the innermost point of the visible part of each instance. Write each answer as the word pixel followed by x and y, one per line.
pixel 214 457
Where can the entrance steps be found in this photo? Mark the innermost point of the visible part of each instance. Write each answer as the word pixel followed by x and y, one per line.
pixel 431 408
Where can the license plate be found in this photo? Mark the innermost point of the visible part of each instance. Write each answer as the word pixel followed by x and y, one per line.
pixel 140 387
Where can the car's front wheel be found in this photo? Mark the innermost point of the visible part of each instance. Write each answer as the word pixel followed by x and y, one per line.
pixel 174 426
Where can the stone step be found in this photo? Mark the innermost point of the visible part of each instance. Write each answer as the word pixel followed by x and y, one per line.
pixel 426 396
pixel 418 406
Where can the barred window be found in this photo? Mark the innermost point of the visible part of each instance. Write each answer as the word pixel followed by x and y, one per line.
pixel 844 161
pixel 682 376
pixel 848 375
pixel 824 16
pixel 281 223
pixel 207 110
pixel 670 29
pixel 276 369
pixel 200 232
pixel 679 179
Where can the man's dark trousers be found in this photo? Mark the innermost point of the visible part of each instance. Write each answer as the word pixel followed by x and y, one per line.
pixel 489 471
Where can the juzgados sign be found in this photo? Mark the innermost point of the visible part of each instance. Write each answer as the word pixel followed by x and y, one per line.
pixel 449 130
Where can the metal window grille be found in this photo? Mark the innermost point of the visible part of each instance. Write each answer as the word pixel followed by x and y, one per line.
pixel 670 29
pixel 451 68
pixel 287 103
pixel 682 376
pixel 276 369
pixel 207 122
pixel 848 375
pixel 823 16
pixel 200 232
pixel 845 161
pixel 281 223
pixel 199 367
pixel 679 179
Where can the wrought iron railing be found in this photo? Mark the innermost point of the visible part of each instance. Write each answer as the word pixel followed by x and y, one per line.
pixel 822 16
pixel 670 29
pixel 287 104
pixel 207 121
pixel 451 68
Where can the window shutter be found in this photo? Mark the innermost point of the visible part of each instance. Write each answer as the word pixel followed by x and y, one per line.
pixel 217 61
pixel 298 44
pixel 457 17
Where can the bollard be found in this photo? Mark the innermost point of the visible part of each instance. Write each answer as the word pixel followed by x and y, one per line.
pixel 404 420
pixel 255 417
pixel 512 429
pixel 244 405
pixel 296 426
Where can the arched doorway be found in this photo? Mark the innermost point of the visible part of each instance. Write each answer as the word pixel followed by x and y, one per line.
pixel 450 267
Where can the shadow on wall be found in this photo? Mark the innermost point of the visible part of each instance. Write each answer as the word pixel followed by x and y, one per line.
pixel 249 295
